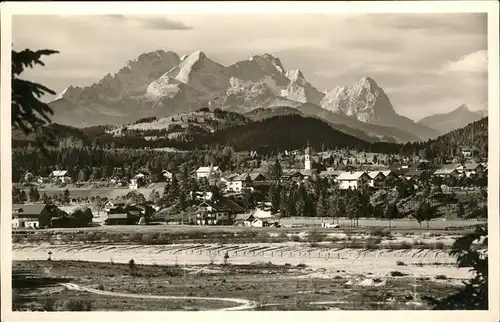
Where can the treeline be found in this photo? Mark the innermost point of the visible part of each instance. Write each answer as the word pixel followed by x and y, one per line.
pixel 474 136
pixel 93 147
pixel 85 163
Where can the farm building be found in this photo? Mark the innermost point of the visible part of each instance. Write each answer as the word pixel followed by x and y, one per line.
pixel 249 220
pixel 244 220
pixel 129 215
pixel 37 215
pixel 353 180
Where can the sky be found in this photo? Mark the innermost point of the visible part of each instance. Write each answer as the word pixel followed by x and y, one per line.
pixel 426 63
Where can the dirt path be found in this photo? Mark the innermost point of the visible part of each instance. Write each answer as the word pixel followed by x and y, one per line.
pixel 244 304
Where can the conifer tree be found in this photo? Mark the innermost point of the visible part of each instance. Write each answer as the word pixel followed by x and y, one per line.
pixel 28 112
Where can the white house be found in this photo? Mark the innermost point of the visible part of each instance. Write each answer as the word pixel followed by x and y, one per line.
pixel 262 214
pixel 201 195
pixel 208 172
pixel 234 182
pixel 167 175
pixel 60 176
pixel 133 184
pixel 466 152
pixel 354 180
pixel 257 222
pixel 470 169
pixel 139 175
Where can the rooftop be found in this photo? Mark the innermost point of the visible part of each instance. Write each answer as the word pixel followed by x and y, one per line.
pixel 28 209
pixel 351 175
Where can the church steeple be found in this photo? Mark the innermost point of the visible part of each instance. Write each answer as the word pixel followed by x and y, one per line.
pixel 307 157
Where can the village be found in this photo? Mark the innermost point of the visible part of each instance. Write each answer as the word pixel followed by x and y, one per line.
pixel 212 197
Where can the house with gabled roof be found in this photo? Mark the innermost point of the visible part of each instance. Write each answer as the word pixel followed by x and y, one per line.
pixel 377 179
pixel 60 176
pixel 447 170
pixel 470 169
pixel 236 182
pixel 208 172
pixel 35 215
pixel 420 165
pixel 353 180
pixel 218 212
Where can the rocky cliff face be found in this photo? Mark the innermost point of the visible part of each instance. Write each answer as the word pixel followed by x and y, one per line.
pixel 132 79
pixel 364 101
pixel 161 83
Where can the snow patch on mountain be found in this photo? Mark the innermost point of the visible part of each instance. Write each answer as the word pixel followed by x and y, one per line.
pixel 364 101
pixel 201 74
pixel 300 90
pixel 132 79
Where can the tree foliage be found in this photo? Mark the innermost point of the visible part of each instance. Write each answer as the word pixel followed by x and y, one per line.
pixel 471 251
pixel 29 113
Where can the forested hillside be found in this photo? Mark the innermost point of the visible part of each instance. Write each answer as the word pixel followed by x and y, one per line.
pixel 284 132
pixel 473 136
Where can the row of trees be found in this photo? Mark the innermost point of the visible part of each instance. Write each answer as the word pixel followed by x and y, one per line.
pixel 94 163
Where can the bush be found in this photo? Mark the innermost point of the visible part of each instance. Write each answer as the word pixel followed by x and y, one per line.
pixel 400 263
pixel 147 239
pixel 49 304
pixel 397 274
pixel 135 237
pixel 371 245
pixel 441 277
pixel 316 237
pixel 380 232
pixel 295 238
pixel 438 245
pixel 114 237
pixel 77 305
pixel 16 238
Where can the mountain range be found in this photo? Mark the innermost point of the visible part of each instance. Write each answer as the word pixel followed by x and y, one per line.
pixel 163 84
pixel 458 118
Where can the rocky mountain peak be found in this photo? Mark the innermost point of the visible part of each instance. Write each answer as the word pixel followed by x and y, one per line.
pixel 295 75
pixel 269 62
pixel 364 100
pixel 463 108
pixel 132 79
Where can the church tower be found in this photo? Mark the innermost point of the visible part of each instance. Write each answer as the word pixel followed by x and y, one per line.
pixel 307 158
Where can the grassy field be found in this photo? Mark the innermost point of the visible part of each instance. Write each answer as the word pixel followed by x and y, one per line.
pixel 270 287
pixel 292 225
